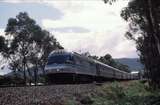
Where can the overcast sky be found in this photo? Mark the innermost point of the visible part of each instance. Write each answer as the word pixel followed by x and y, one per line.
pixel 79 25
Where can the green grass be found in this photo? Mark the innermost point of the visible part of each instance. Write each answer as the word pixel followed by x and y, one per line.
pixel 134 93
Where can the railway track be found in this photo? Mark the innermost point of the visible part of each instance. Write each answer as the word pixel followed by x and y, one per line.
pixel 65 84
pixel 56 94
pixel 58 84
pixel 44 95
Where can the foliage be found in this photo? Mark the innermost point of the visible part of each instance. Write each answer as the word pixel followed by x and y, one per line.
pixel 119 93
pixel 143 16
pixel 11 81
pixel 70 102
pixel 109 1
pixel 107 59
pixel 134 94
pixel 26 45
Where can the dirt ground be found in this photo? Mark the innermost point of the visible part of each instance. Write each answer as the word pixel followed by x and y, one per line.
pixel 44 95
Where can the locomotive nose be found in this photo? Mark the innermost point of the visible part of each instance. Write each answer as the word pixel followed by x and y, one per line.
pixel 53 69
pixel 59 69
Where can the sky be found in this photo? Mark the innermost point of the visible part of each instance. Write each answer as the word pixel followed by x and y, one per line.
pixel 79 25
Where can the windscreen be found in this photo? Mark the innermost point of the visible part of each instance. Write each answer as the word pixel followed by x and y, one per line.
pixel 60 59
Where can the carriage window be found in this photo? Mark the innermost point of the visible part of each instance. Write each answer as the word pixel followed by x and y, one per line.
pixel 60 59
pixel 91 64
pixel 77 60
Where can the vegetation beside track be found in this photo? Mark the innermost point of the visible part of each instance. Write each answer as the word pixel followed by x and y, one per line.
pixel 110 93
pixel 122 93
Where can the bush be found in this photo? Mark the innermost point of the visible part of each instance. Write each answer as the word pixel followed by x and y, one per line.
pixel 86 100
pixel 119 93
pixel 134 94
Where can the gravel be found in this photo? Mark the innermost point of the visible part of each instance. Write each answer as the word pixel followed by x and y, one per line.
pixel 45 95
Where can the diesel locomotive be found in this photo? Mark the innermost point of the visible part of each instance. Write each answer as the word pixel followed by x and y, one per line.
pixel 63 66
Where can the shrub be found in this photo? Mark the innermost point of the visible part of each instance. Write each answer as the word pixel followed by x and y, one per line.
pixel 133 94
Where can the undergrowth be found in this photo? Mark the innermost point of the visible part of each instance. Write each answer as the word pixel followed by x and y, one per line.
pixel 135 93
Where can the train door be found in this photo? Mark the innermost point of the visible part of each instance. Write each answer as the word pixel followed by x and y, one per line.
pixel 114 74
pixel 97 70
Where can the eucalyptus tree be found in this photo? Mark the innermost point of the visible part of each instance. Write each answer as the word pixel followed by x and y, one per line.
pixel 26 45
pixel 143 17
pixel 107 59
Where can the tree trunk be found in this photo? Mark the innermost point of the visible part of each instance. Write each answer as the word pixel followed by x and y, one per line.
pixel 44 74
pixel 30 76
pixel 35 74
pixel 154 24
pixel 24 73
pixel 155 43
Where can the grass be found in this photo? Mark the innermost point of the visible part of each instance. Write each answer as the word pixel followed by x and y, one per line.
pixel 132 93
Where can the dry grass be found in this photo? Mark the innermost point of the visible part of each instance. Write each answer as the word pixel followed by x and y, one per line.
pixel 44 95
pixel 110 93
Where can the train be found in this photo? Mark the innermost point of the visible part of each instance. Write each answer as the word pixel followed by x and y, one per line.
pixel 63 66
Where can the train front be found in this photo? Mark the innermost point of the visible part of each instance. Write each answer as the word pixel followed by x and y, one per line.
pixel 60 67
